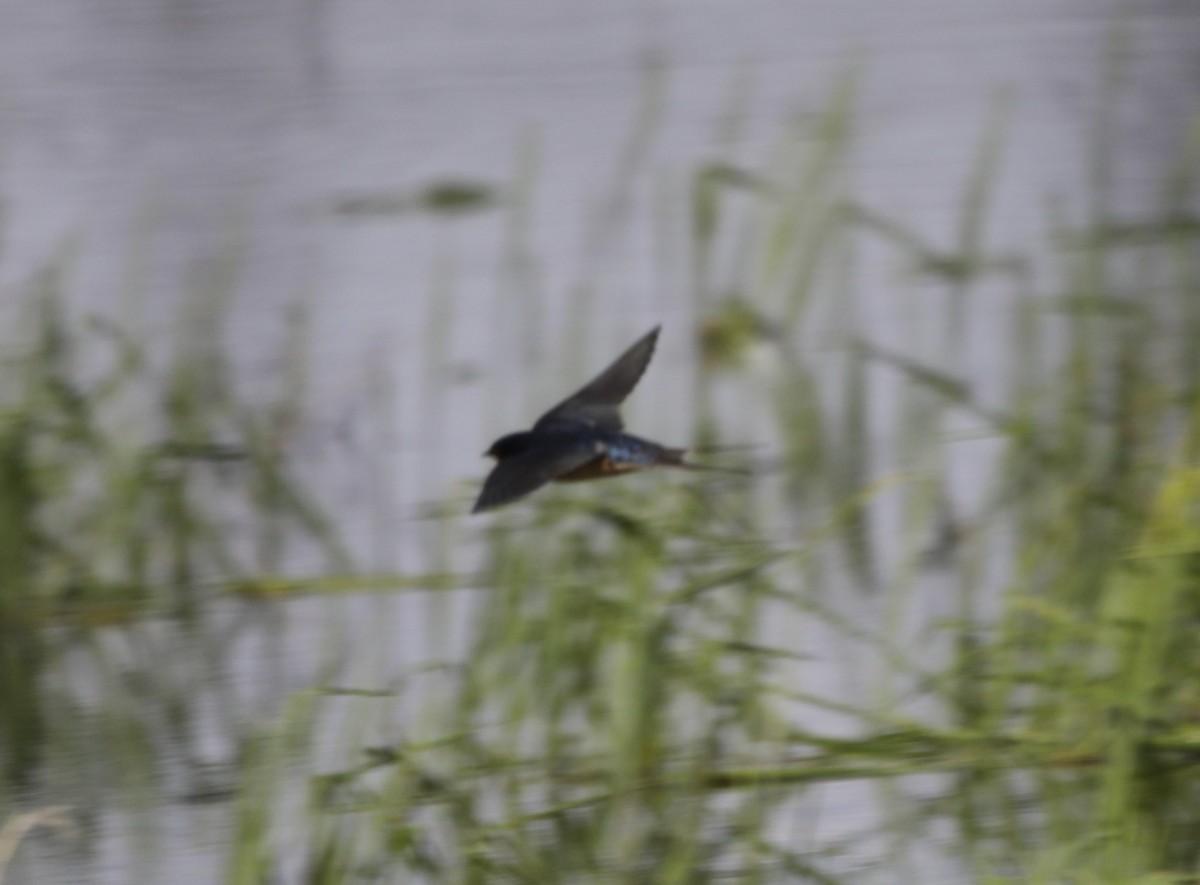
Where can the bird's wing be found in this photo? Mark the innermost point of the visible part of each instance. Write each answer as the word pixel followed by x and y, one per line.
pixel 518 475
pixel 595 405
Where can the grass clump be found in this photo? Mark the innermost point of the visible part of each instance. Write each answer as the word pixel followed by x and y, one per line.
pixel 128 476
pixel 666 679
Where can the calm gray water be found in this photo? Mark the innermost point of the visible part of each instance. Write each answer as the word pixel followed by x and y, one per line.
pixel 163 129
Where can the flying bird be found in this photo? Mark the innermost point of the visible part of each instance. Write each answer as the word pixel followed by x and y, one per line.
pixel 580 438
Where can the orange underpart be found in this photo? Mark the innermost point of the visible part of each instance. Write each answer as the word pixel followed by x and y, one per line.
pixel 598 469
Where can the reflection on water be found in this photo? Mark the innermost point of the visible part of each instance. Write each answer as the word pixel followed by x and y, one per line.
pixel 151 142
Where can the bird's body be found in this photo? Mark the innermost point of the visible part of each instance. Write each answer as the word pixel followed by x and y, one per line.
pixel 624 453
pixel 581 438
pixel 612 452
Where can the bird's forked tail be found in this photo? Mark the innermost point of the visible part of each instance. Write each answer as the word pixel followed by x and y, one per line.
pixel 678 458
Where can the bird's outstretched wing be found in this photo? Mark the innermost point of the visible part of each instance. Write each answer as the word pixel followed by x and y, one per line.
pixel 518 475
pixel 596 404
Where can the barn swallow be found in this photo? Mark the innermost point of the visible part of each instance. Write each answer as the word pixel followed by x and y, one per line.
pixel 580 438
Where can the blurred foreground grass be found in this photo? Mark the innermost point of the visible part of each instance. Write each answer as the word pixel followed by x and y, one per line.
pixel 661 678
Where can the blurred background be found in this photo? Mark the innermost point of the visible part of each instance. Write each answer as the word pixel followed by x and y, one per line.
pixel 275 275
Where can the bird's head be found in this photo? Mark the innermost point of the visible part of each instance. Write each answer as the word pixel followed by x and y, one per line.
pixel 507 446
